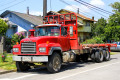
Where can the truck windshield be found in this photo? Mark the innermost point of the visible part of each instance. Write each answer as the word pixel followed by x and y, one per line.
pixel 48 31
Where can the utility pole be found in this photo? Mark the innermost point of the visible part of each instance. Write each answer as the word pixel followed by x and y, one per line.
pixel 27 10
pixel 44 8
pixel 78 11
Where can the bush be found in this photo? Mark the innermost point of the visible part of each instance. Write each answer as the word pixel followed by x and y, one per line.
pixel 94 40
pixel 4 56
pixel 17 37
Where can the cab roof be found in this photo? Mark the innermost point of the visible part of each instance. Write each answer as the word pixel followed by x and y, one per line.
pixel 51 25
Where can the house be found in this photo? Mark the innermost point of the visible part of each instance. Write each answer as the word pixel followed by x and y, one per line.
pixel 84 22
pixel 20 21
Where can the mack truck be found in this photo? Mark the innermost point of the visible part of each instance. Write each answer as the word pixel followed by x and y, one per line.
pixel 54 42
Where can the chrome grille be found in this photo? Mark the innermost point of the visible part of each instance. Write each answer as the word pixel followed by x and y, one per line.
pixel 28 48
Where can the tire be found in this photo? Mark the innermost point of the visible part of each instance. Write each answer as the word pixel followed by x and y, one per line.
pixel 54 63
pixel 22 66
pixel 106 55
pixel 99 55
pixel 92 56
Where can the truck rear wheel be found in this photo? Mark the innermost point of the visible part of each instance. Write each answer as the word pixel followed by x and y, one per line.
pixel 22 66
pixel 54 63
pixel 99 55
pixel 106 55
pixel 92 55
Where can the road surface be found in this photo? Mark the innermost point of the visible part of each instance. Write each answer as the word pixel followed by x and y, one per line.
pixel 109 70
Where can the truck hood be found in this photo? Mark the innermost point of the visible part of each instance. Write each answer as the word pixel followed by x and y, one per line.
pixel 41 39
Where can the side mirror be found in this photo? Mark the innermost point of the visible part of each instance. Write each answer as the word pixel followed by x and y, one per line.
pixel 71 30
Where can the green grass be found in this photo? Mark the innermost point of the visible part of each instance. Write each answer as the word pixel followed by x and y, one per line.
pixel 113 53
pixel 9 64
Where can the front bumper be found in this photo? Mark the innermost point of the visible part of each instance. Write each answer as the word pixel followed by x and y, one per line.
pixel 31 58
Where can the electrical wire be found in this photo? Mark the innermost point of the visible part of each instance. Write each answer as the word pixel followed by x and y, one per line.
pixel 7 3
pixel 13 5
pixel 94 7
pixel 90 8
pixel 75 8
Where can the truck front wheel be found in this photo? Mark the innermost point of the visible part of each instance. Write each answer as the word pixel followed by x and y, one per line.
pixel 22 66
pixel 54 63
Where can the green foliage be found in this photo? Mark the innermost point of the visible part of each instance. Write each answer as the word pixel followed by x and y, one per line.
pixel 9 64
pixel 4 55
pixel 94 40
pixel 112 33
pixel 17 37
pixel 110 30
pixel 98 27
pixel 116 6
pixel 3 27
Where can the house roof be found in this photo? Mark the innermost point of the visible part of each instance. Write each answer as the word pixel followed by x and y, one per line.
pixel 79 15
pixel 36 20
pixel 53 12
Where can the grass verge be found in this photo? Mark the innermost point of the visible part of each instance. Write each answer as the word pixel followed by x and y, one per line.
pixel 113 53
pixel 9 64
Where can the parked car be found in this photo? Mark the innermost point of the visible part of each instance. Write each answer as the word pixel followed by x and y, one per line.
pixel 116 48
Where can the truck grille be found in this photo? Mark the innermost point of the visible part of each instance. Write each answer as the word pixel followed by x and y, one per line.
pixel 28 48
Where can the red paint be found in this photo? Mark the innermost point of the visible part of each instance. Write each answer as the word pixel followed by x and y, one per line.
pixel 66 43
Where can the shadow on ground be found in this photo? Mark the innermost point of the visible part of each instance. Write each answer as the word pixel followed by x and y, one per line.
pixel 65 67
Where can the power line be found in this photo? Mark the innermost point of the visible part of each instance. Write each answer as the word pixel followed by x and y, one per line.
pixel 91 8
pixel 12 5
pixel 94 7
pixel 8 3
pixel 74 7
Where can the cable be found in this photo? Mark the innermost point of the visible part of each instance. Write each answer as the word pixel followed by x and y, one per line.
pixel 12 5
pixel 91 8
pixel 74 7
pixel 94 7
pixel 7 3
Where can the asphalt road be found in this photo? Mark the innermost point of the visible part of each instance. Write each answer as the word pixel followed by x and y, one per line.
pixel 109 70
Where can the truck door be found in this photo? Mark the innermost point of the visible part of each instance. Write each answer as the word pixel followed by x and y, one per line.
pixel 65 42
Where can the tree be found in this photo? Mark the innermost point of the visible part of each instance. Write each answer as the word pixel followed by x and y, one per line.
pixel 3 27
pixel 98 27
pixel 112 30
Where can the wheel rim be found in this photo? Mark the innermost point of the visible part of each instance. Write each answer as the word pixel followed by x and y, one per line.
pixel 101 56
pixel 107 55
pixel 56 64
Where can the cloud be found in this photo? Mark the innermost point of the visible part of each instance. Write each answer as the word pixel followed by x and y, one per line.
pixel 37 13
pixel 99 3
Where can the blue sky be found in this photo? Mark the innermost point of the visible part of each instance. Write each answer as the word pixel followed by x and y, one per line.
pixel 36 6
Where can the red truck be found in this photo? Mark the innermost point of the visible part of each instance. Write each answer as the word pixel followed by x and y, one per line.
pixel 56 41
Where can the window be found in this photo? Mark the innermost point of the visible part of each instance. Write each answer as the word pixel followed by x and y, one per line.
pixel 87 23
pixel 48 31
pixel 63 31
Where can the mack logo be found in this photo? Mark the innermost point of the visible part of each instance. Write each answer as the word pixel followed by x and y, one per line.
pixel 27 41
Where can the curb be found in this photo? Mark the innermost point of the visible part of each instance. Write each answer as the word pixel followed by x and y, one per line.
pixel 7 71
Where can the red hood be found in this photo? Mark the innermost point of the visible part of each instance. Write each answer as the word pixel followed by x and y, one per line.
pixel 41 39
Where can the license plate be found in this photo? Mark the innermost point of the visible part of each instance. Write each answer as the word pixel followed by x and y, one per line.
pixel 26 59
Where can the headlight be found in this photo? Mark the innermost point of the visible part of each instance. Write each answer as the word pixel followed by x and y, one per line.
pixel 15 49
pixel 42 49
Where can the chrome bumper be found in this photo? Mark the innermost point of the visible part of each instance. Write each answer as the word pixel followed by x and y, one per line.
pixel 31 58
